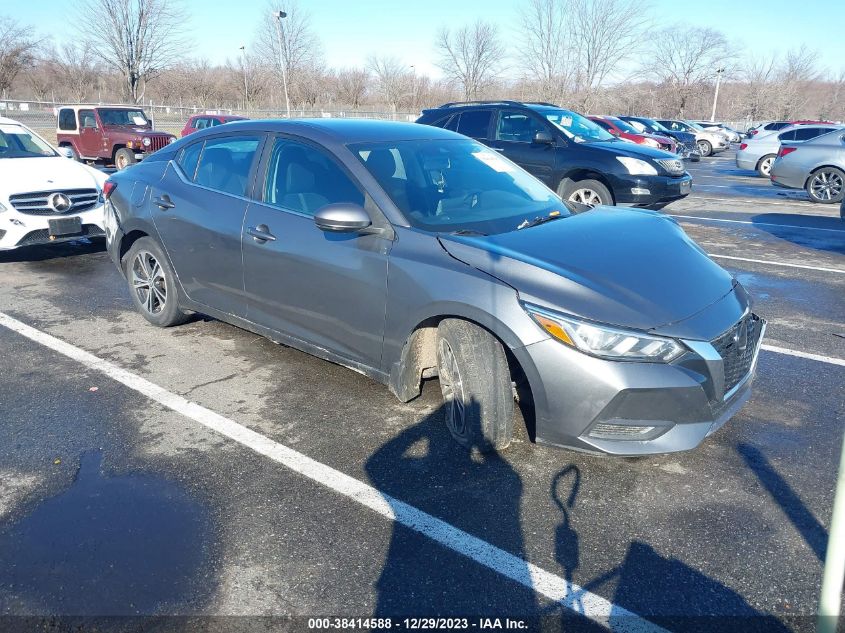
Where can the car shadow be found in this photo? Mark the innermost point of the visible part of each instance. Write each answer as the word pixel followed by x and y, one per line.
pixel 44 252
pixel 793 228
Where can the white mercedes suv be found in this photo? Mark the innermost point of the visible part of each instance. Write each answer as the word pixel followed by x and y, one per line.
pixel 44 196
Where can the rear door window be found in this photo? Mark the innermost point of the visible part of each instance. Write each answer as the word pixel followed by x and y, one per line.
pixel 475 123
pixel 225 163
pixel 806 133
pixel 87 119
pixel 517 127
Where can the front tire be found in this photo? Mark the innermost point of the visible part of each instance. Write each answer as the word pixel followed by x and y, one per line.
pixel 476 385
pixel 123 158
pixel 590 193
pixel 152 284
pixel 826 185
pixel 704 148
pixel 764 167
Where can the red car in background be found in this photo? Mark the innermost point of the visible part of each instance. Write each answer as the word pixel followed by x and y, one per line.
pixel 625 130
pixel 202 121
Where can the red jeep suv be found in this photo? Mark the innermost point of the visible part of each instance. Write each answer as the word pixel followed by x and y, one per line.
pixel 202 121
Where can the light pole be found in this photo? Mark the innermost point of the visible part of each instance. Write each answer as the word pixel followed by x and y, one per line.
pixel 413 86
pixel 719 72
pixel 281 15
pixel 246 86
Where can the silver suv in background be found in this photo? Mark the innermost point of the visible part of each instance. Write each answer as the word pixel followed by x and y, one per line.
pixel 818 166
pixel 708 143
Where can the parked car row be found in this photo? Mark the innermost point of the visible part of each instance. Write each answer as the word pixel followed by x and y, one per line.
pixel 816 165
pixel 760 151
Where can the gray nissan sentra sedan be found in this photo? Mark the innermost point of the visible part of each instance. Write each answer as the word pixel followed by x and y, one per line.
pixel 408 252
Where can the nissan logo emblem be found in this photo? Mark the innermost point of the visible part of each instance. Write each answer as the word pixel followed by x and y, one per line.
pixel 59 202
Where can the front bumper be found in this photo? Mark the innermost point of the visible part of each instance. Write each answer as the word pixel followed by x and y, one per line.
pixel 633 408
pixel 650 191
pixel 18 230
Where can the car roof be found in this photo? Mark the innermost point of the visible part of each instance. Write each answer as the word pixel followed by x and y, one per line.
pixel 7 121
pixel 339 131
pixel 95 106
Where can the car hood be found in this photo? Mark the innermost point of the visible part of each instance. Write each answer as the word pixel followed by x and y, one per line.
pixel 627 149
pixel 51 173
pixel 630 268
pixel 131 129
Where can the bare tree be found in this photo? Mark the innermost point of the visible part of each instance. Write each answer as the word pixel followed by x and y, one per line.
pixel 351 86
pixel 300 47
pixel 470 55
pixel 799 71
pixel 545 53
pixel 137 38
pixel 685 58
pixel 606 32
pixel 758 74
pixel 18 46
pixel 76 70
pixel 393 78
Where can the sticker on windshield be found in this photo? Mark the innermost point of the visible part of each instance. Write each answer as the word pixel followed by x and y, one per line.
pixel 491 159
pixel 566 121
pixel 139 120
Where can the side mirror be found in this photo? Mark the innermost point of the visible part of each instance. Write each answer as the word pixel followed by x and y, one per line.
pixel 543 138
pixel 342 217
pixel 66 152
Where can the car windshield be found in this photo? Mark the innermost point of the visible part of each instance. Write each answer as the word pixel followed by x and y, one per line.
pixel 123 117
pixel 695 126
pixel 576 127
pixel 458 186
pixel 624 126
pixel 654 125
pixel 18 142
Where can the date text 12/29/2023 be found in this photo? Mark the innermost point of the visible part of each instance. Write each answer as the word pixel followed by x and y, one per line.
pixel 415 624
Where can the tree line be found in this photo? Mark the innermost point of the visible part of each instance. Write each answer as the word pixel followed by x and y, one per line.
pixel 595 56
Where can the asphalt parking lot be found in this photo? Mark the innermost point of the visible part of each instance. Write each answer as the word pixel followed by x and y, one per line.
pixel 164 472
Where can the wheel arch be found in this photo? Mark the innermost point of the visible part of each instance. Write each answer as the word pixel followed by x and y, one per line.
pixel 584 173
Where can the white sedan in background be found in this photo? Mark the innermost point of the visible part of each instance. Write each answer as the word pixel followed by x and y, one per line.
pixel 44 196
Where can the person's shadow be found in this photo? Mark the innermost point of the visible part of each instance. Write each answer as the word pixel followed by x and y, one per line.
pixel 423 467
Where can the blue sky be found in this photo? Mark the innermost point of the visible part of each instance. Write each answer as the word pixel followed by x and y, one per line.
pixel 350 31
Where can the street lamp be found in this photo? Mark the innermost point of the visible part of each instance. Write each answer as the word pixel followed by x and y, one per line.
pixel 281 15
pixel 719 72
pixel 246 86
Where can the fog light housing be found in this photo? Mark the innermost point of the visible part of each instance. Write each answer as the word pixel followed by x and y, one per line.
pixel 640 191
pixel 630 430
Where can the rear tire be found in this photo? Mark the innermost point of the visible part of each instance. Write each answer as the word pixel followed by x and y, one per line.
pixel 123 158
pixel 764 166
pixel 152 284
pixel 826 185
pixel 590 193
pixel 476 385
pixel 704 148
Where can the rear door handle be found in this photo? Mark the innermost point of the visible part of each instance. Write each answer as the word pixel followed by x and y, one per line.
pixel 499 149
pixel 163 202
pixel 261 233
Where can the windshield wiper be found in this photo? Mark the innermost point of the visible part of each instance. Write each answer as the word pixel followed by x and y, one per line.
pixel 468 232
pixel 554 215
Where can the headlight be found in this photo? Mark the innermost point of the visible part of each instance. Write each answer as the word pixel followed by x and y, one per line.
pixel 651 142
pixel 637 167
pixel 146 141
pixel 604 341
pixel 172 139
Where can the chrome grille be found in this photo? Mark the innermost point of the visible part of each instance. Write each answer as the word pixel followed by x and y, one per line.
pixel 672 165
pixel 38 202
pixel 737 360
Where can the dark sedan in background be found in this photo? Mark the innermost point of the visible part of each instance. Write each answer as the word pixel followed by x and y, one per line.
pixel 407 252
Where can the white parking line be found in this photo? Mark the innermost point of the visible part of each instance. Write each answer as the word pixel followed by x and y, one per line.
pixel 556 588
pixel 792 352
pixel 771 263
pixel 793 202
pixel 780 226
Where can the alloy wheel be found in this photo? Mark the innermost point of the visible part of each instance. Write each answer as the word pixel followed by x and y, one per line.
pixel 766 165
pixel 826 185
pixel 453 389
pixel 149 282
pixel 587 197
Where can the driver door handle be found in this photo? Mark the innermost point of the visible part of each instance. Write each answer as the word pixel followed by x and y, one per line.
pixel 163 202
pixel 261 233
pixel 499 149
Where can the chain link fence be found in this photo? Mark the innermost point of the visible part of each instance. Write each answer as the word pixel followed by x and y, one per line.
pixel 40 116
